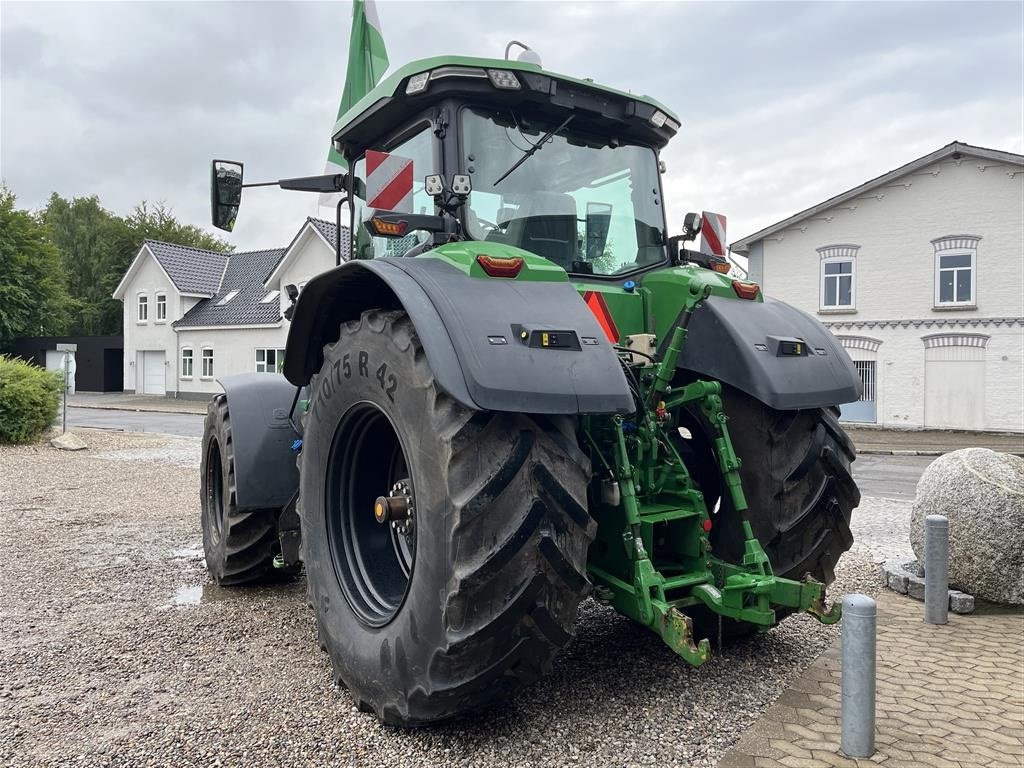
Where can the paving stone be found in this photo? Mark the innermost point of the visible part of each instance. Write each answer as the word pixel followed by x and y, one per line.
pixel 947 697
pixel 960 602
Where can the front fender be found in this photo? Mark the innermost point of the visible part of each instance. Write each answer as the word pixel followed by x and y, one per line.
pixel 262 435
pixel 738 343
pixel 471 331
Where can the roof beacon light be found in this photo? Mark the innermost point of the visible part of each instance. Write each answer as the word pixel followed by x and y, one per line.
pixel 658 118
pixel 417 83
pixel 497 266
pixel 501 78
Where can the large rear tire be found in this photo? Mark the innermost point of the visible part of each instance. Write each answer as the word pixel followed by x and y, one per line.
pixel 473 598
pixel 239 546
pixel 798 484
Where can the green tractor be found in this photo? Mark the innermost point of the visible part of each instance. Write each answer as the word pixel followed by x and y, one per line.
pixel 518 390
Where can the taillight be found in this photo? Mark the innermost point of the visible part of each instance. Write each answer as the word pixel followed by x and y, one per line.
pixel 498 266
pixel 744 290
pixel 722 267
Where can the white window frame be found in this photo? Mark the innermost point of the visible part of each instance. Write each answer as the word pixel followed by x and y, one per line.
pixel 852 261
pixel 204 357
pixel 278 357
pixel 191 359
pixel 142 308
pixel 939 255
pixel 161 308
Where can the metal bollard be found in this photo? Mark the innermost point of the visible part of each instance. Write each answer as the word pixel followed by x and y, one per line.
pixel 936 569
pixel 858 697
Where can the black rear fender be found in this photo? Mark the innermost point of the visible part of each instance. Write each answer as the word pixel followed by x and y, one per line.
pixel 772 351
pixel 471 331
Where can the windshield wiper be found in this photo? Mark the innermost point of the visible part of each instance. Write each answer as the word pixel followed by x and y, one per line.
pixel 533 150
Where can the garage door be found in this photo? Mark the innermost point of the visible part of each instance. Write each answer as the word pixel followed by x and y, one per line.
pixel 954 382
pixel 153 372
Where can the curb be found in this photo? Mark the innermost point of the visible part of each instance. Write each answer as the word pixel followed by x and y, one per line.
pixel 134 410
pixel 906 579
pixel 896 452
pixel 899 452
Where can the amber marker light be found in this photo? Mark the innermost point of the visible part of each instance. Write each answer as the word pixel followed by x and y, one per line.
pixel 388 228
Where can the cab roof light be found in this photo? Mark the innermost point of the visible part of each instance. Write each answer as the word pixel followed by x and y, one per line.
pixel 497 266
pixel 453 70
pixel 745 290
pixel 417 83
pixel 387 228
pixel 501 78
pixel 658 118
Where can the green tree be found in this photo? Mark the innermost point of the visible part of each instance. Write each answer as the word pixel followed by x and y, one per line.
pixel 97 247
pixel 33 296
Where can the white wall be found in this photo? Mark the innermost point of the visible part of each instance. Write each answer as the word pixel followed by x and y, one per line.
pixel 895 268
pixel 308 257
pixel 149 279
pixel 234 351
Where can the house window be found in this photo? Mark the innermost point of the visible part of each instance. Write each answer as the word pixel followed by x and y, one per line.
pixel 207 363
pixel 227 297
pixel 837 284
pixel 269 360
pixel 161 307
pixel 186 363
pixel 143 308
pixel 955 261
pixel 838 277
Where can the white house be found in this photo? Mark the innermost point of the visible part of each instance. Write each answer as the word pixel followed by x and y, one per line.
pixel 920 274
pixel 192 316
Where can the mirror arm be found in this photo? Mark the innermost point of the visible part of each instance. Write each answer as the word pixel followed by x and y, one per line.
pixel 335 182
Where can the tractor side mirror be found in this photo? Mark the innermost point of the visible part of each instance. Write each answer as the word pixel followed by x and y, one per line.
pixel 225 193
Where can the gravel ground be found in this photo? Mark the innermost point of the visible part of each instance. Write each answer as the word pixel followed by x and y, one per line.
pixel 116 650
pixel 881 529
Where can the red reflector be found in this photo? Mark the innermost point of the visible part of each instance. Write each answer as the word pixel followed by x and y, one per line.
pixel 746 290
pixel 707 526
pixel 388 228
pixel 497 266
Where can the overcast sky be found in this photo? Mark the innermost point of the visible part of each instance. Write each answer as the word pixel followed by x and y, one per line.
pixel 783 104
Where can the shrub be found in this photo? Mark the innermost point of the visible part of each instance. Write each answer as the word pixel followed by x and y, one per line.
pixel 29 398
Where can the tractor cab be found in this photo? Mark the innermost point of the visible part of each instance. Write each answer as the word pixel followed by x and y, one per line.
pixel 503 151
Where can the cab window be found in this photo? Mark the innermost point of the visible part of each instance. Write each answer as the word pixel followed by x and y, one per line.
pixel 392 170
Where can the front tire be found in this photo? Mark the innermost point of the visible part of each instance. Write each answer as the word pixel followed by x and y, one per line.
pixel 477 599
pixel 239 546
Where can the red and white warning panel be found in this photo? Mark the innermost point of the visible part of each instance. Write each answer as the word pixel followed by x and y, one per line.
pixel 388 182
pixel 712 234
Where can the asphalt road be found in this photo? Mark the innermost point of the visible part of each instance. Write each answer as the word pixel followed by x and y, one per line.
pixel 892 477
pixel 181 424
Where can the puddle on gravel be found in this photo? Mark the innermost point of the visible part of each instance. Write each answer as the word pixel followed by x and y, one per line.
pixel 195 594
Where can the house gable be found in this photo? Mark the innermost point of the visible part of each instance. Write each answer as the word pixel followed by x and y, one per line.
pixel 956 150
pixel 299 250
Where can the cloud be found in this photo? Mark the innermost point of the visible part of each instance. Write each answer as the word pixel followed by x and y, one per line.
pixel 783 105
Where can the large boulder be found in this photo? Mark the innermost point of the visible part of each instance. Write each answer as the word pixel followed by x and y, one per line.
pixel 982 494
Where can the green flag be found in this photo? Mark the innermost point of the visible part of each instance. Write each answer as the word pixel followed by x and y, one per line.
pixel 367 62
